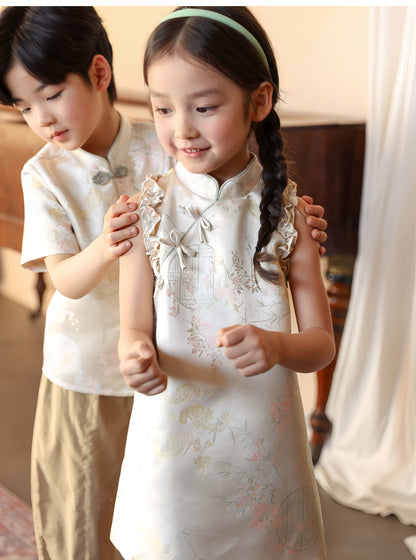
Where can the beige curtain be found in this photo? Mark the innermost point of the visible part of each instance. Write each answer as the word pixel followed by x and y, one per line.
pixel 369 463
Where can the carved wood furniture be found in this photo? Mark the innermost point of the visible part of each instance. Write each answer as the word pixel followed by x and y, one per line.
pixel 328 164
pixel 17 144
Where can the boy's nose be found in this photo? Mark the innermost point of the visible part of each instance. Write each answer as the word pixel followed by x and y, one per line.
pixel 45 118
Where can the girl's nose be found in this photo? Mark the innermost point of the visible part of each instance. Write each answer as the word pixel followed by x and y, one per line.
pixel 184 129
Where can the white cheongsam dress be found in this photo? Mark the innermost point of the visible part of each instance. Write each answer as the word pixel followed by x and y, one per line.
pixel 217 467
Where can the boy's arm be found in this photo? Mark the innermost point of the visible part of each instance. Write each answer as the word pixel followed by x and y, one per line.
pixel 74 276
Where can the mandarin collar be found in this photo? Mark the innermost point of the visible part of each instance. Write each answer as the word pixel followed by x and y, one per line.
pixel 207 187
pixel 119 150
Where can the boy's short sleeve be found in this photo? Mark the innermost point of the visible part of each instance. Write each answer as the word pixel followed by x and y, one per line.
pixel 47 228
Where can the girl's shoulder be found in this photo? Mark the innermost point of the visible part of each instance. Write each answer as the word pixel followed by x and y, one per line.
pixel 289 205
pixel 290 197
pixel 300 216
pixel 284 238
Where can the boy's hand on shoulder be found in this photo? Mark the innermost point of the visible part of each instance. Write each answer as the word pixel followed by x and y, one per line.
pixel 120 225
pixel 315 220
pixel 141 370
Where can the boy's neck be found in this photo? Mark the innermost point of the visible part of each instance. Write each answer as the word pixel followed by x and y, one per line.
pixel 101 141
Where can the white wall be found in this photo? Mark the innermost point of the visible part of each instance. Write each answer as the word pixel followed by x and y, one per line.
pixel 322 53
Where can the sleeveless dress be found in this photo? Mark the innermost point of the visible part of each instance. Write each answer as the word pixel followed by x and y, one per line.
pixel 217 466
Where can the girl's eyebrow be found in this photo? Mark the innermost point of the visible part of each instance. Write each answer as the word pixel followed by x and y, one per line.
pixel 195 95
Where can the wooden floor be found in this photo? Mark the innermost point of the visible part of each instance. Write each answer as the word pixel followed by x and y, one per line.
pixel 350 534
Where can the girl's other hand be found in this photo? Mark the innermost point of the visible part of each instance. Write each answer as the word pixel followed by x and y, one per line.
pixel 141 370
pixel 119 228
pixel 251 350
pixel 316 221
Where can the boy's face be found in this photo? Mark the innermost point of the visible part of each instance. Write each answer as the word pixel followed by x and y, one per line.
pixel 66 114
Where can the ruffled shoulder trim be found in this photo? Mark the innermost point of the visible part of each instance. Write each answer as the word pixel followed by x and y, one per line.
pixel 284 239
pixel 151 197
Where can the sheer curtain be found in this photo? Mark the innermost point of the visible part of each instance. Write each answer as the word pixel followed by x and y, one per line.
pixel 369 463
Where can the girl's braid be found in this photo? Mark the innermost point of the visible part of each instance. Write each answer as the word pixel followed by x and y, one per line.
pixel 270 144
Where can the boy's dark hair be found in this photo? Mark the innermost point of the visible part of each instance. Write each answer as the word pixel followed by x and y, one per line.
pixel 51 42
pixel 232 54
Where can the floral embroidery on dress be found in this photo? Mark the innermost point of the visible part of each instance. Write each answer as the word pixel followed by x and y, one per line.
pixel 202 417
pixel 183 393
pixel 178 444
pixel 239 277
pixel 203 342
pixel 291 517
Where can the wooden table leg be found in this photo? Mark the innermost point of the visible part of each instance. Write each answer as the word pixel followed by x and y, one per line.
pixel 40 290
pixel 339 276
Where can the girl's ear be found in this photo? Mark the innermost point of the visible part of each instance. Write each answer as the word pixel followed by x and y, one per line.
pixel 261 100
pixel 100 72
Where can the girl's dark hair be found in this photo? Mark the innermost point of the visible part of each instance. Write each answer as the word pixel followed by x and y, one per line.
pixel 232 54
pixel 51 42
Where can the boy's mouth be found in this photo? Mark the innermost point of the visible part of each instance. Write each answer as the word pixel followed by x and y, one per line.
pixel 58 135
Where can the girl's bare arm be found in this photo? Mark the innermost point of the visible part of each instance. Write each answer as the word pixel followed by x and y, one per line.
pixel 253 350
pixel 138 359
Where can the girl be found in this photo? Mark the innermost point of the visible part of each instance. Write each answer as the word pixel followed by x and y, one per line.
pixel 217 464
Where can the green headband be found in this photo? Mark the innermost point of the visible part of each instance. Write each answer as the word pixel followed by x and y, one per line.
pixel 189 12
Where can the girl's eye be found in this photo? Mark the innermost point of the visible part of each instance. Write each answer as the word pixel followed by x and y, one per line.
pixel 53 97
pixel 204 110
pixel 162 110
pixel 25 110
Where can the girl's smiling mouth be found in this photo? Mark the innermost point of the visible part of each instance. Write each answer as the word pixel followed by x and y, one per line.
pixel 194 151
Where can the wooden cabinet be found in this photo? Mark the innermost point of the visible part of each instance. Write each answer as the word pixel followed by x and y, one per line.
pixel 17 144
pixel 326 161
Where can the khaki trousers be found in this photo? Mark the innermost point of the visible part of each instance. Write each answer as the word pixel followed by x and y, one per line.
pixel 77 451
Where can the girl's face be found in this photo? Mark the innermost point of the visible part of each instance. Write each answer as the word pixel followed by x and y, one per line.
pixel 201 116
pixel 66 114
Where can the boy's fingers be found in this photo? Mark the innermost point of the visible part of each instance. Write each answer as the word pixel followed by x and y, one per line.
pixel 308 199
pixel 122 198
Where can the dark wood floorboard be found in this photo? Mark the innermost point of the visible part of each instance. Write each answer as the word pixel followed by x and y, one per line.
pixel 350 534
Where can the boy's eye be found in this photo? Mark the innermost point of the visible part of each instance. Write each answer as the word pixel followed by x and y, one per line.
pixel 53 97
